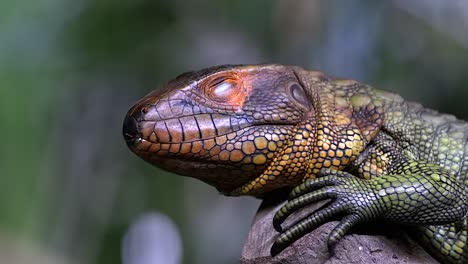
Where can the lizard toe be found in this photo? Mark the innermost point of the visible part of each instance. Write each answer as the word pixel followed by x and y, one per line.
pixel 300 202
pixel 341 229
pixel 305 226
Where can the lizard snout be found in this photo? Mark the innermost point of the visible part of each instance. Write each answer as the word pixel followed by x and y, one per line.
pixel 130 129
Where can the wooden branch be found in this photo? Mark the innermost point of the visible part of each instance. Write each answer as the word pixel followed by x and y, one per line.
pixel 371 243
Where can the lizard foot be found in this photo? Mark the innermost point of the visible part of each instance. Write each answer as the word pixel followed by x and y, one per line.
pixel 351 198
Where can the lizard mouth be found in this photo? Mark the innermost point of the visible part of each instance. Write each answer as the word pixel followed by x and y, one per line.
pixel 244 142
pixel 225 161
pixel 203 136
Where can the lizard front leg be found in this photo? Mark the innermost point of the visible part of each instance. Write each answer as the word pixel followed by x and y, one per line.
pixel 420 195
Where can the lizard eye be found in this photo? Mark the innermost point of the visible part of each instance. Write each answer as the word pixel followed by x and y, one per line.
pixel 222 88
pixel 298 94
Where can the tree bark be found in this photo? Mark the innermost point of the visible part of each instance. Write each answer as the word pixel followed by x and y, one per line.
pixel 369 243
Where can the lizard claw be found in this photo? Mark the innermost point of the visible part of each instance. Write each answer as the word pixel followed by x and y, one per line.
pixel 310 191
pixel 300 202
pixel 350 196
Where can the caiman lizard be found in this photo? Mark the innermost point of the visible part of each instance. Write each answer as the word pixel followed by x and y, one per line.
pixel 252 129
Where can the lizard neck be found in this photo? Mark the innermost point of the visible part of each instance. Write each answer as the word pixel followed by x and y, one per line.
pixel 337 138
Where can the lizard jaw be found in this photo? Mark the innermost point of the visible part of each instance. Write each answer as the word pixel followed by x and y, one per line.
pixel 210 159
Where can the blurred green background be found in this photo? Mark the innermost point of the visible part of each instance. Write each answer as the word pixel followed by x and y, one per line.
pixel 69 71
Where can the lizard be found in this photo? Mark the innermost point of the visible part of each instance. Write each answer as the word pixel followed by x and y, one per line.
pixel 253 129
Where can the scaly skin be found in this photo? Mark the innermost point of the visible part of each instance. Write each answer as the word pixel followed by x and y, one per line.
pixel 248 130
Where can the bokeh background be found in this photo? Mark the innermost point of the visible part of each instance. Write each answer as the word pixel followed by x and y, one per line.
pixel 71 192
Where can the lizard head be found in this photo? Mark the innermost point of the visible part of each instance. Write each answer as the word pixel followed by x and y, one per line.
pixel 248 130
pixel 222 125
